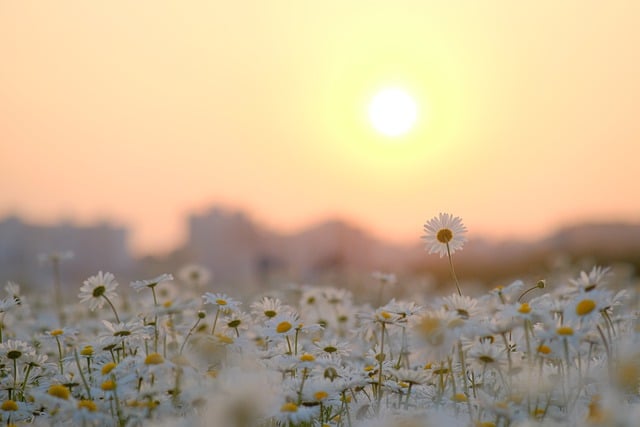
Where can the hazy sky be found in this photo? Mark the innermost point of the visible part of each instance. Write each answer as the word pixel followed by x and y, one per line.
pixel 141 112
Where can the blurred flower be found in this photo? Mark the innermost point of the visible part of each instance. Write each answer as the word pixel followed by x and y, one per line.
pixel 55 256
pixel 386 278
pixel 223 302
pixel 194 275
pixel 587 282
pixel 150 283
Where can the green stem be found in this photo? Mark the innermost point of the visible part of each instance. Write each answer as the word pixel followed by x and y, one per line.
pixel 453 272
pixel 60 355
pixel 380 362
pixel 155 320
pixel 112 307
pixel 193 328
pixel 24 382
pixel 215 320
pixel 84 380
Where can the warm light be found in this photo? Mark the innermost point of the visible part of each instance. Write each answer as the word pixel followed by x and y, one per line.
pixel 393 112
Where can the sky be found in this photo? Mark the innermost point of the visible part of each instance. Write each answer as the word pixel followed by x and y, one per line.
pixel 143 112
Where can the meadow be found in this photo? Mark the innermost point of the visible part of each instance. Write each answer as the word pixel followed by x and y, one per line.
pixel 561 350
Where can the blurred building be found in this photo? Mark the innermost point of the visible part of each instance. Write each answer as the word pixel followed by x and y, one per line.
pixel 25 247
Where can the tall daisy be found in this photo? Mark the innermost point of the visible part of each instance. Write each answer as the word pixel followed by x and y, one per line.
pixel 444 234
pixel 99 289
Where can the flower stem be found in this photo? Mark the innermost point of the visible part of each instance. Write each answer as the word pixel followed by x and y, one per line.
pixel 112 307
pixel 60 356
pixel 84 380
pixel 453 272
pixel 155 320
pixel 381 358
pixel 215 321
pixel 193 328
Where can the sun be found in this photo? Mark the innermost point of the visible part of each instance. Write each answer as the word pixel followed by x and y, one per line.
pixel 393 112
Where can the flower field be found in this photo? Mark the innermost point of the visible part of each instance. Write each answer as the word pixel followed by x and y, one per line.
pixel 561 351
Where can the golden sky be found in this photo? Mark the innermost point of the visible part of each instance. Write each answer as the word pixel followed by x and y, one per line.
pixel 141 112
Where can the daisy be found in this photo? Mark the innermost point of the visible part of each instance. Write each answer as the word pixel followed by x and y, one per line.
pixel 290 413
pixel 282 325
pixel 7 304
pixel 194 275
pixel 134 331
pixel 587 307
pixel 444 234
pixel 13 290
pixel 434 334
pixel 330 349
pixel 236 322
pixel 465 307
pixel 410 376
pixel 99 289
pixel 487 354
pixel 384 278
pixel 151 283
pixel 590 281
pixel 268 308
pixel 223 302
pixel 55 256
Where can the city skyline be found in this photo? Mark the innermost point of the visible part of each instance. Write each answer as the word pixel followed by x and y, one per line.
pixel 140 113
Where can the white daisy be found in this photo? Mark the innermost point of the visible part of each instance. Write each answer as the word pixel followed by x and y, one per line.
pixel 444 234
pixel 96 287
pixel 223 302
pixel 589 281
pixel 150 283
pixel 194 275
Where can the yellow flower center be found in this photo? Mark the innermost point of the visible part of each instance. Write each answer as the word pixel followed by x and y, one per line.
pixel 167 304
pixel 89 405
pixel 385 315
pixel 60 391
pixel 444 235
pixel 221 302
pixel 283 327
pixel 486 424
pixel 153 359
pixel 9 405
pixel 564 330
pixel 525 308
pixel 459 397
pixel 225 339
pixel 108 367
pixel 585 307
pixel 289 407
pixel 87 350
pixel 429 325
pixel 538 412
pixel 307 357
pixel 319 395
pixel 544 349
pixel 57 332
pixel 212 373
pixel 486 359
pixel 108 385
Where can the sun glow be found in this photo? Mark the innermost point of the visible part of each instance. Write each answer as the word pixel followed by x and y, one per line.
pixel 393 112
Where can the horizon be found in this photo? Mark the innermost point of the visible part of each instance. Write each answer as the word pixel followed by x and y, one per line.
pixel 140 113
pixel 227 211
